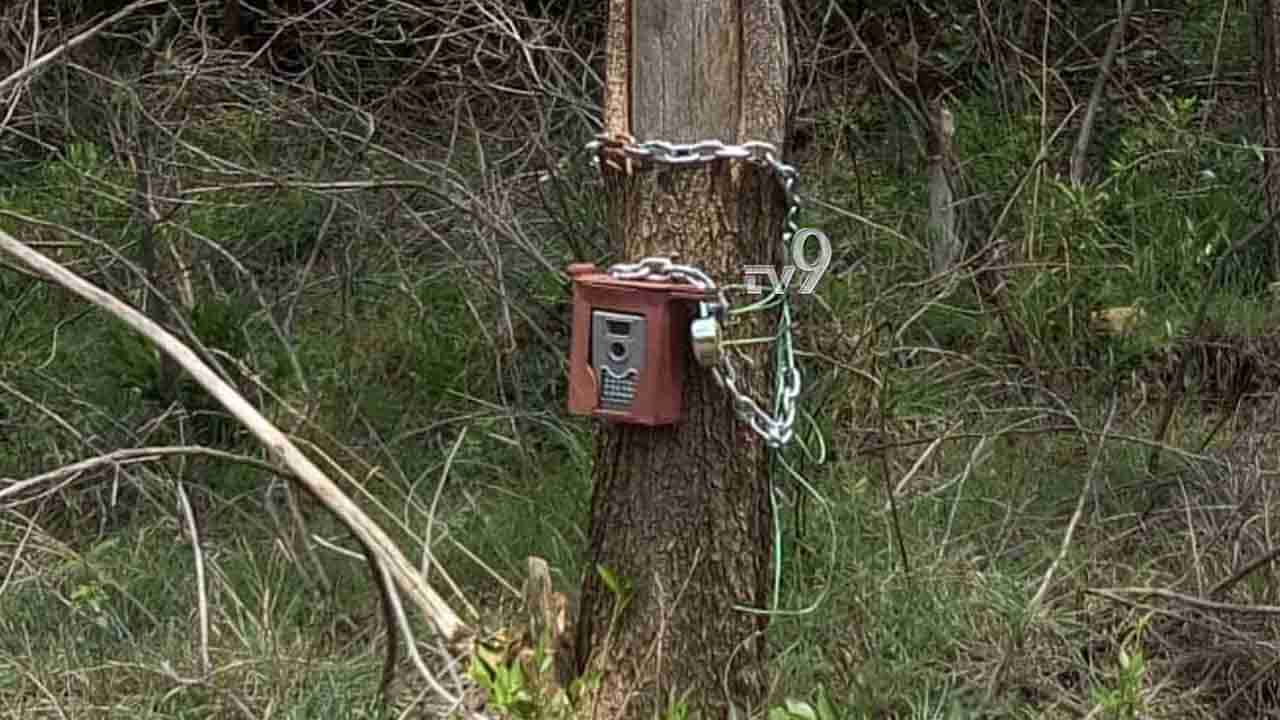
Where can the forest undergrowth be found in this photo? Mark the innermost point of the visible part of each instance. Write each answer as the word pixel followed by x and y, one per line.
pixel 1037 485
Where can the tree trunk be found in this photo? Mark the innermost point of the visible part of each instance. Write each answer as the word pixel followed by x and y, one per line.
pixel 1268 19
pixel 681 513
pixel 945 248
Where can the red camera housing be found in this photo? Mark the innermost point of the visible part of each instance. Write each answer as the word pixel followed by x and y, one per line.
pixel 630 347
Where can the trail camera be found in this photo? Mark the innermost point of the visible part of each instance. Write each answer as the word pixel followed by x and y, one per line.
pixel 617 357
pixel 629 346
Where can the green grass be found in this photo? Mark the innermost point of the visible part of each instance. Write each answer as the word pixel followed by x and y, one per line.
pixel 890 643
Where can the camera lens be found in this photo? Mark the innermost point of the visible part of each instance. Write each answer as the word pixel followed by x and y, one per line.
pixel 617 352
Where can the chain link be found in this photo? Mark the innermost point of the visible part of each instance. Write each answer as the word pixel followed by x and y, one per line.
pixel 661 269
pixel 776 429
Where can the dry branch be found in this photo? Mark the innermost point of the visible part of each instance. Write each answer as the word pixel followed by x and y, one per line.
pixel 1189 600
pixel 121 457
pixel 1038 600
pixel 1080 152
pixel 35 65
pixel 406 577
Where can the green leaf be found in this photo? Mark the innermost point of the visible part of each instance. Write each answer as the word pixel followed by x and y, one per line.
pixel 610 580
pixel 800 709
pixel 502 679
pixel 88 593
pixel 825 709
pixel 102 547
pixel 480 672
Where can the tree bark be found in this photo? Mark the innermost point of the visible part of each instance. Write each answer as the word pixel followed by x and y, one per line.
pixel 945 248
pixel 1268 20
pixel 681 513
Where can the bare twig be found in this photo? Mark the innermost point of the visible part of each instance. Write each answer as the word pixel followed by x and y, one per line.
pixel 435 502
pixel 885 466
pixel 1262 560
pixel 36 65
pixel 1195 602
pixel 915 467
pixel 202 591
pixel 126 457
pixel 1038 599
pixel 1081 150
pixel 414 655
pixel 17 553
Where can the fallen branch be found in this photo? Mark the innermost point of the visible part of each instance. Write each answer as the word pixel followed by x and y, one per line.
pixel 1195 602
pixel 127 457
pixel 1265 559
pixel 278 446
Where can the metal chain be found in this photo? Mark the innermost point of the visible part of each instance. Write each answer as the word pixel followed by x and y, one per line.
pixel 777 429
pixel 661 269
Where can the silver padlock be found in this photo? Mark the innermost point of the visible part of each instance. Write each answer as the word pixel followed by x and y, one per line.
pixel 708 346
